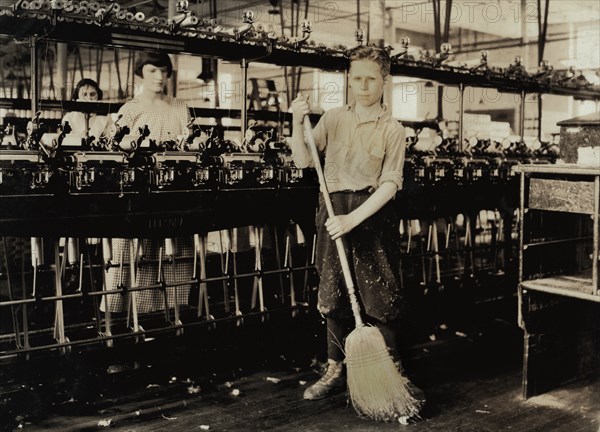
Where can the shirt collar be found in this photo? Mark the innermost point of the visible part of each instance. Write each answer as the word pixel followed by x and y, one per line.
pixel 384 114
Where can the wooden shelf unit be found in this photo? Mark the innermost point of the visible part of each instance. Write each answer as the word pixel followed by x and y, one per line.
pixel 559 287
pixel 568 190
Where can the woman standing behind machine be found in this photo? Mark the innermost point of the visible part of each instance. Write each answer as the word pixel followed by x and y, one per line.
pixel 86 124
pixel 167 118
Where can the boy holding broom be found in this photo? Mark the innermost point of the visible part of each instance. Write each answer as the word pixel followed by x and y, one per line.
pixel 363 149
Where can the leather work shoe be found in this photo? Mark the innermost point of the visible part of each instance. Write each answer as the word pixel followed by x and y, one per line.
pixel 331 382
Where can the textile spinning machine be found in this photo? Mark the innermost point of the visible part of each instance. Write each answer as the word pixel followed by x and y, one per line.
pixel 213 229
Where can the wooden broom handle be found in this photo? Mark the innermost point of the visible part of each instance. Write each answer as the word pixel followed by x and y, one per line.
pixel 339 242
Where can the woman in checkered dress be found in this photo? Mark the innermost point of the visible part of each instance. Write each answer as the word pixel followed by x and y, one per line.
pixel 167 118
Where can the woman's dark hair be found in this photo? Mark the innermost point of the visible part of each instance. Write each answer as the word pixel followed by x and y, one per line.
pixel 374 53
pixel 158 59
pixel 86 82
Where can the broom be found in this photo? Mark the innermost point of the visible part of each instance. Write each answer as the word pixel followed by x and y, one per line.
pixel 377 388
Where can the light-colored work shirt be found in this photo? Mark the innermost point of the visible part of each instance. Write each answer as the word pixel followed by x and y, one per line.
pixel 360 154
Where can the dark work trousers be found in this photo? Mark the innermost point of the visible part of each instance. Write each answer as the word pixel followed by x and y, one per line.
pixel 373 250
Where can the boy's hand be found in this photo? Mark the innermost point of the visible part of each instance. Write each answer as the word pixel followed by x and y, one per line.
pixel 339 225
pixel 300 108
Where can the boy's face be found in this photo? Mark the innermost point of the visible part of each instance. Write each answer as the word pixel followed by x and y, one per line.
pixel 366 82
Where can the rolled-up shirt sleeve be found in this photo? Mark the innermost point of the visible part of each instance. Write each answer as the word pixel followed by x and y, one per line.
pixel 393 162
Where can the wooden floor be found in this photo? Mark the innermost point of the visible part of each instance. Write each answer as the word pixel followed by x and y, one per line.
pixel 473 384
pixel 491 404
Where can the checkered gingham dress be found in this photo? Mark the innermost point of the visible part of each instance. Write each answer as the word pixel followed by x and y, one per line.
pixel 164 124
pixel 147 274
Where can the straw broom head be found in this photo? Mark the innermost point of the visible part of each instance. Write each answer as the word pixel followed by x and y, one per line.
pixel 376 387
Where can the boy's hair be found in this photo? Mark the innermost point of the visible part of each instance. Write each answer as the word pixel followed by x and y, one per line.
pixel 86 82
pixel 158 59
pixel 374 53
